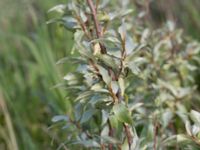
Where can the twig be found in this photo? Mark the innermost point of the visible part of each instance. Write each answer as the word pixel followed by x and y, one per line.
pixel 155 136
pixel 128 135
pixel 110 134
pixel 96 23
pixel 94 15
pixel 83 27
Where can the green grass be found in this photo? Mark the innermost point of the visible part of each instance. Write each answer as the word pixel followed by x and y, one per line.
pixel 29 50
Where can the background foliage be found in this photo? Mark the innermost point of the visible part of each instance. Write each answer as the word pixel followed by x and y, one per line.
pixel 28 52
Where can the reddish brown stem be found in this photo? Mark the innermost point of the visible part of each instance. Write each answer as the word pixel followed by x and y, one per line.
pixel 96 23
pixel 110 147
pixel 128 135
pixel 155 136
pixel 94 15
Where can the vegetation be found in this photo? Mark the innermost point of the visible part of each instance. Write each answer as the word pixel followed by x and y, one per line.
pixel 133 87
pixel 155 85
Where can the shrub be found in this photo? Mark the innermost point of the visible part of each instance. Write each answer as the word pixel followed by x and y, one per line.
pixel 133 88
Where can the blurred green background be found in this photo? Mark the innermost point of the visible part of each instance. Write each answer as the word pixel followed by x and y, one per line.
pixel 29 50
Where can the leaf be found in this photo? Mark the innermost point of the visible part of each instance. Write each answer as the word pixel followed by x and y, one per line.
pixel 195 130
pixel 59 8
pixel 195 116
pixel 108 60
pixel 78 111
pixel 103 17
pixel 134 68
pixel 126 12
pixel 134 106
pixel 84 96
pixel 69 23
pixel 60 118
pixel 105 116
pixel 113 121
pixel 122 113
pixel 114 87
pixel 104 74
pixel 88 143
pixel 177 139
pixel 188 128
pixel 181 138
pixel 83 16
pixel 167 117
pixel 135 64
pixel 70 59
pixel 122 31
pixel 129 45
pixel 145 35
pixel 87 115
pixel 97 49
pixel 132 55
pixel 110 139
pixel 125 145
pixel 121 85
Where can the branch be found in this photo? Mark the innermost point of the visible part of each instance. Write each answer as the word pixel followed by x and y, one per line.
pixel 128 135
pixel 94 16
pixel 110 147
pixel 96 23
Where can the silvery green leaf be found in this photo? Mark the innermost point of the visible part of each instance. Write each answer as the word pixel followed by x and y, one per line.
pixel 122 31
pixel 124 3
pixel 70 76
pixel 125 12
pixel 195 116
pixel 108 60
pixel 182 112
pixel 83 16
pixel 134 53
pixel 87 115
pixel 125 145
pixel 113 15
pixel 51 21
pixel 69 22
pixel 135 106
pixel 103 17
pixel 129 44
pixel 114 86
pixel 122 113
pixel 134 68
pixel 97 87
pixel 104 4
pixel 114 121
pixel 78 111
pixel 105 116
pixel 88 143
pixel 84 96
pixel 59 8
pixel 105 75
pixel 145 36
pixel 60 118
pixel 105 131
pixel 195 130
pixel 174 139
pixel 108 139
pixel 188 128
pixel 171 25
pixel 122 85
pixel 181 138
pixel 167 117
pixel 170 141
